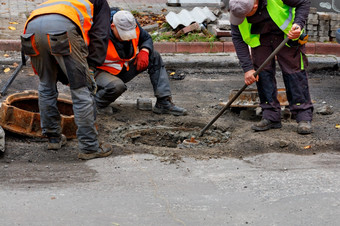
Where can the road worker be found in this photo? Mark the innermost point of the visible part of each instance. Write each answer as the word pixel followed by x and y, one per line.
pixel 130 52
pixel 66 40
pixel 263 25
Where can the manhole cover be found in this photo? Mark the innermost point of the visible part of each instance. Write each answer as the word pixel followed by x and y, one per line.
pixel 165 136
pixel 19 113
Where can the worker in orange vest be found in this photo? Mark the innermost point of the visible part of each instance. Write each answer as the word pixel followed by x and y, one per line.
pixel 130 52
pixel 66 40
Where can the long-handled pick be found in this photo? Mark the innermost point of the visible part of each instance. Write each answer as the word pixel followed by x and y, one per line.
pixel 245 86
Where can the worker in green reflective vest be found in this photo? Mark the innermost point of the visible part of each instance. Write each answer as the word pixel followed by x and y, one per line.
pixel 263 25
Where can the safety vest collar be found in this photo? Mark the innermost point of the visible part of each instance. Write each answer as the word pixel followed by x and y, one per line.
pixel 113 63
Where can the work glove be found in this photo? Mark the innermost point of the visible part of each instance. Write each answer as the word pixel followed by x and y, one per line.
pixel 91 82
pixel 142 60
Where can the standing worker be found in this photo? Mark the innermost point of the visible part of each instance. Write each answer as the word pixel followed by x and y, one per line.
pixel 66 40
pixel 130 52
pixel 263 25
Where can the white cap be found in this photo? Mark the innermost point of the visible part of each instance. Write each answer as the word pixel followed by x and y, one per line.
pixel 126 24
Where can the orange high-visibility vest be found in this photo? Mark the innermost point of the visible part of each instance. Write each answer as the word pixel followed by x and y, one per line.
pixel 113 63
pixel 80 12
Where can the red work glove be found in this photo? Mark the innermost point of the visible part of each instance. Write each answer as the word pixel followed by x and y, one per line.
pixel 142 60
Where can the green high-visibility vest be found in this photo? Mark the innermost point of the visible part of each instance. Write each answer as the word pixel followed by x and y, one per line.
pixel 281 14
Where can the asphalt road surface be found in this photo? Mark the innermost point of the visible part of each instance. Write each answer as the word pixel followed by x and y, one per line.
pixel 250 180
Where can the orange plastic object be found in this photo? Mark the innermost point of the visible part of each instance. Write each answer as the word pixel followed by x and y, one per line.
pixel 19 113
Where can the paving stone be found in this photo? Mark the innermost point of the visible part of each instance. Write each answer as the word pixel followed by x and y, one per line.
pixel 223 33
pixel 223 24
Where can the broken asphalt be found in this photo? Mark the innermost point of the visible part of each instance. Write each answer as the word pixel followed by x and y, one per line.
pixel 143 189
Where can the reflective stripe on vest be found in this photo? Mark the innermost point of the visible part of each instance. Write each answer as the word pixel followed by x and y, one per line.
pixel 80 12
pixel 113 63
pixel 282 15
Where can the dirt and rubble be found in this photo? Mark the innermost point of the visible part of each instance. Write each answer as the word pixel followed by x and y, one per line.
pixel 201 91
pixel 131 131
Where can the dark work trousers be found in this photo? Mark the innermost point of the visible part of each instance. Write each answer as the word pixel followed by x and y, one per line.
pixel 54 36
pixel 110 87
pixel 294 77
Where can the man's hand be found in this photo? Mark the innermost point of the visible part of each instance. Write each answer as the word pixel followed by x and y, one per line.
pixel 249 77
pixel 294 32
pixel 142 60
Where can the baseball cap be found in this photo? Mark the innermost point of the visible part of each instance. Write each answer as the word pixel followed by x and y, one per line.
pixel 125 24
pixel 239 9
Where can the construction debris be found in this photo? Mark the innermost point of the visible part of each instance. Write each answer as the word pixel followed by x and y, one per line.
pixel 144 104
pixel 146 19
pixel 320 26
pixel 187 29
pixel 324 110
pixel 185 17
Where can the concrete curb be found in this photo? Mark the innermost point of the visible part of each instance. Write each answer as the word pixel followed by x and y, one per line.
pixel 210 55
pixel 230 60
pixel 201 47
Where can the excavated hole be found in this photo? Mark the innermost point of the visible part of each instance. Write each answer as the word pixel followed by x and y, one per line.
pixel 31 105
pixel 171 137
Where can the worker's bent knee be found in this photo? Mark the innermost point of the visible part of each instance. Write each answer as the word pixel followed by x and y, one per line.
pixel 114 89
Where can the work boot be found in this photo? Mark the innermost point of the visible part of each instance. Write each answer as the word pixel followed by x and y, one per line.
pixel 304 127
pixel 266 124
pixel 55 143
pixel 164 105
pixel 104 150
pixel 105 110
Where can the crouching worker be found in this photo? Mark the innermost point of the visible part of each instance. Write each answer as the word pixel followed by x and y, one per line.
pixel 129 53
pixel 64 43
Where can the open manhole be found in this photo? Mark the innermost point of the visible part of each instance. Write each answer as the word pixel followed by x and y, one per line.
pixel 19 113
pixel 172 137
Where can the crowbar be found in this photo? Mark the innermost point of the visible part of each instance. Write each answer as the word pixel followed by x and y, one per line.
pixel 245 86
pixel 14 75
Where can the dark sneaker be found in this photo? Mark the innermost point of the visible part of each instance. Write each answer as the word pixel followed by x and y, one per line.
pixel 55 143
pixel 304 127
pixel 266 124
pixel 165 106
pixel 104 150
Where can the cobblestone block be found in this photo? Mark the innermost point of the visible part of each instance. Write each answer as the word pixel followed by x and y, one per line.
pixel 187 29
pixel 223 33
pixel 312 10
pixel 323 16
pixel 223 24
